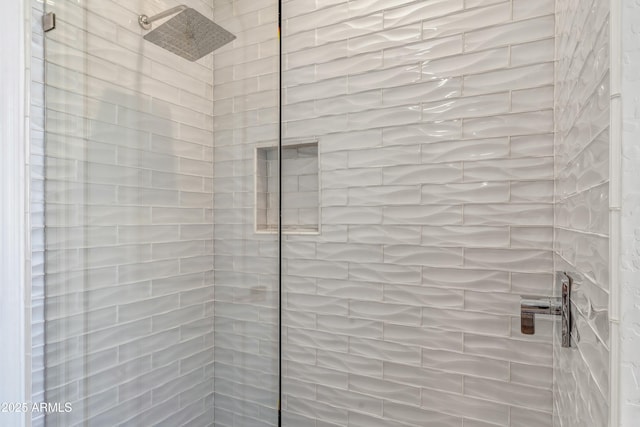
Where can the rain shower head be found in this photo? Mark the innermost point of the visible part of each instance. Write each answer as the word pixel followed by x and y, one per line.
pixel 189 34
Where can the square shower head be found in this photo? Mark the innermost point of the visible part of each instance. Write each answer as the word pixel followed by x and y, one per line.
pixel 190 35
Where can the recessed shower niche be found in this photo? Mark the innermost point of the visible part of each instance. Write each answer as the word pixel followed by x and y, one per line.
pixel 300 191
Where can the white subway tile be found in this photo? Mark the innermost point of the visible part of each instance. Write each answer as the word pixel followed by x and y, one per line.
pixel 423 377
pixel 384 273
pixel 423 50
pixel 466 321
pixel 422 337
pixel 422 133
pixel 390 77
pixel 513 214
pixel 349 29
pixel 468 20
pixel 485 280
pixel 350 289
pixel 511 349
pixel 423 295
pixel 465 150
pixel 385 312
pixel 509 169
pixel 386 38
pixel 419 11
pixel 535 75
pixel 465 236
pixel 416 415
pixel 465 406
pixel 459 108
pixel 460 65
pixel 421 214
pixel 511 33
pixel 384 350
pixel 533 52
pixel 350 326
pixel 454 194
pixel 514 394
pixel 349 399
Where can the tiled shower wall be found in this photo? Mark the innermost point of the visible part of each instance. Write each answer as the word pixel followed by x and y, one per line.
pixel 128 162
pixel 435 129
pixel 246 263
pixel 582 210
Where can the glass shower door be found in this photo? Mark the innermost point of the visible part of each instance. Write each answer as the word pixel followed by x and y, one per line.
pixel 159 303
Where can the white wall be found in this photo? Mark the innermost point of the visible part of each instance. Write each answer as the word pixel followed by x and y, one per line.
pixel 629 245
pixel 14 223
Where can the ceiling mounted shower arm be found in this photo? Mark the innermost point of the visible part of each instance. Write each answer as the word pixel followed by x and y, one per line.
pixel 145 21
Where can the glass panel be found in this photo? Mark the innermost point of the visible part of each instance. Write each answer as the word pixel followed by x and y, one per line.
pixel 435 138
pixel 135 210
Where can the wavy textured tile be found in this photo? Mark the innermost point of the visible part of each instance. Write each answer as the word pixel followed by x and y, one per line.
pixel 348 29
pixel 422 255
pixel 384 234
pixel 350 289
pixel 349 399
pixel 465 64
pixel 385 38
pixel 517 260
pixel 466 406
pixel 515 394
pixel 384 273
pixel 509 170
pixel 512 124
pixel 515 214
pixel 423 296
pixel 422 133
pixel 465 150
pixel 390 77
pixel 459 108
pixel 453 194
pixel 385 350
pixel 351 326
pixel 429 91
pixel 421 51
pixel 465 236
pixel 465 321
pixel 418 215
pixel 417 415
pixel 385 312
pixel 509 349
pixel 320 304
pixel 467 20
pixel 513 33
pixel 418 11
pixel 485 280
pixel 388 64
pixel 317 339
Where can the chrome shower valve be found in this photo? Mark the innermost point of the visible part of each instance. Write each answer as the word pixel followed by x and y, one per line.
pixel 530 306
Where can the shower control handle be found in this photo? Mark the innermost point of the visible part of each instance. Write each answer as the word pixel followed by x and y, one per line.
pixel 530 306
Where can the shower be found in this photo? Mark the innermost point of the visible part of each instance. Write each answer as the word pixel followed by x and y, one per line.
pixel 189 34
pixel 345 213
